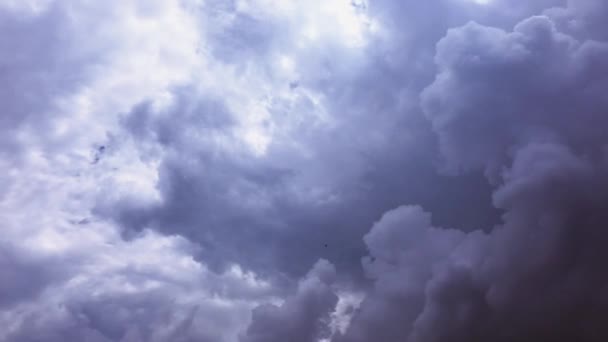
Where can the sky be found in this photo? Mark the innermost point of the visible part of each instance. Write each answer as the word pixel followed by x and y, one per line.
pixel 303 170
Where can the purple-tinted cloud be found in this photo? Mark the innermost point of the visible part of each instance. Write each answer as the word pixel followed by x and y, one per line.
pixel 336 170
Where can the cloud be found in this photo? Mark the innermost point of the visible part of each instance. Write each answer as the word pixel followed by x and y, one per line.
pixel 507 89
pixel 406 254
pixel 536 277
pixel 284 158
pixel 522 106
pixel 69 71
pixel 131 297
pixel 58 75
pixel 173 168
pixel 302 317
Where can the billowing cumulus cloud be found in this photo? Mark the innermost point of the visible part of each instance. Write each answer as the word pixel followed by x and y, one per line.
pixel 523 106
pixel 303 317
pixel 272 170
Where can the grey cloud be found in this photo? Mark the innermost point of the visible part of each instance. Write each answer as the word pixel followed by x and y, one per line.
pixel 303 317
pixel 67 72
pixel 522 106
pixel 284 209
pixel 498 90
pixel 32 71
pixel 356 129
pixel 405 252
pixel 318 184
pixel 24 275
pixel 584 18
pixel 141 317
pixel 152 291
pixel 537 277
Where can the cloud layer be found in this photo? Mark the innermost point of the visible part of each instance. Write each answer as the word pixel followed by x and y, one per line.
pixel 314 171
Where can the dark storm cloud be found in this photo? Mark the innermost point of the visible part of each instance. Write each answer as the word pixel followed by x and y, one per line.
pixel 498 90
pixel 279 210
pixel 537 277
pixel 245 140
pixel 526 107
pixel 303 317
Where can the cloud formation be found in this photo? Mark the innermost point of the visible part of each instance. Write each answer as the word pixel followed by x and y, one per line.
pixel 523 106
pixel 302 317
pixel 314 171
